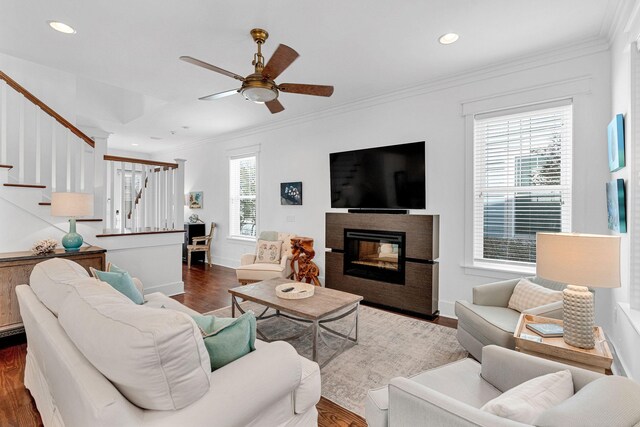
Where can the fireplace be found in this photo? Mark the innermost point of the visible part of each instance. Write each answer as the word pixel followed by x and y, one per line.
pixel 376 255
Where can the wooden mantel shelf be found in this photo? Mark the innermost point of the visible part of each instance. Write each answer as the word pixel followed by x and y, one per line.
pixel 116 233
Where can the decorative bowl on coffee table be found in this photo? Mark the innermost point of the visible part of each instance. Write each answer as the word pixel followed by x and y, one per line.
pixel 296 290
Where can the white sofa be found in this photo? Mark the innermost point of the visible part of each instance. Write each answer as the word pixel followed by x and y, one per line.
pixel 272 386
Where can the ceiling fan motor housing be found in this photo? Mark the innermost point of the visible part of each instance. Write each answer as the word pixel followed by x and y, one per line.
pixel 257 89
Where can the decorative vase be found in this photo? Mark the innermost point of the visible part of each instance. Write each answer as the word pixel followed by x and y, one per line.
pixel 72 240
pixel 578 318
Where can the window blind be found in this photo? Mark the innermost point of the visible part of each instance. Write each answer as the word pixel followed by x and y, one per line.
pixel 243 192
pixel 522 180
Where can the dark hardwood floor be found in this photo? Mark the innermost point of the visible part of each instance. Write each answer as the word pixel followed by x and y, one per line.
pixel 205 290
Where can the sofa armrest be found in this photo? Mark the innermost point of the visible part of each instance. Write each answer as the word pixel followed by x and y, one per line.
pixel 505 369
pixel 285 263
pixel 553 310
pixel 247 259
pixel 494 294
pixel 241 391
pixel 413 404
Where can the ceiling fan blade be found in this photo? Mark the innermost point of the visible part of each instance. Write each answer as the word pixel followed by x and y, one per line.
pixel 208 66
pixel 274 106
pixel 280 60
pixel 315 90
pixel 219 95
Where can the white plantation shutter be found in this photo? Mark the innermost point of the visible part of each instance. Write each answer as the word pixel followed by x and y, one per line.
pixel 522 180
pixel 243 192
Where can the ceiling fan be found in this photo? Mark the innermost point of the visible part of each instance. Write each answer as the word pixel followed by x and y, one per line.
pixel 260 87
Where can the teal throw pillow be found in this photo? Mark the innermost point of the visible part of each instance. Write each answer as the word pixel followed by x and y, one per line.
pixel 122 283
pixel 227 339
pixel 112 268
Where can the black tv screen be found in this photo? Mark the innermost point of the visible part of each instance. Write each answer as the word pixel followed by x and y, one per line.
pixel 391 177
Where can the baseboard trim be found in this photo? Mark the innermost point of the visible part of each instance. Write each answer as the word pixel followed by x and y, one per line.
pixel 169 289
pixel 447 309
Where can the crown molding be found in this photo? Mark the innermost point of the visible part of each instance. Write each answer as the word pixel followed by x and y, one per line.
pixel 527 62
pixel 615 18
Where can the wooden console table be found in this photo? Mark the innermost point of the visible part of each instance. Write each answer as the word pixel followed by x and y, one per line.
pixel 302 255
pixel 15 269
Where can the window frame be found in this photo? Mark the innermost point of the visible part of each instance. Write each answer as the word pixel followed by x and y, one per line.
pixel 243 154
pixel 504 268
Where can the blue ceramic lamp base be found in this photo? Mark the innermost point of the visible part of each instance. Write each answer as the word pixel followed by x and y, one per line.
pixel 72 241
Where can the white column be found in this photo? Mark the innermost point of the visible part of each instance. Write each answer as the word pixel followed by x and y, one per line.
pixel 21 141
pixel 123 215
pixel 3 122
pixel 179 193
pixel 38 144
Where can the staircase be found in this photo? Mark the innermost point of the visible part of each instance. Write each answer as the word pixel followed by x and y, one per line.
pixel 41 152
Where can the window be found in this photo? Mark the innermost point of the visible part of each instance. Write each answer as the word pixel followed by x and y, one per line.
pixel 243 196
pixel 522 181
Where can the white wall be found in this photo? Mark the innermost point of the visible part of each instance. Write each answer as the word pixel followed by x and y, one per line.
pixel 622 324
pixel 299 151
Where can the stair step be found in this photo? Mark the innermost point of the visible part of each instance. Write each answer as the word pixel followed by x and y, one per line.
pixel 26 185
pixel 6 166
pixel 88 219
pixel 45 203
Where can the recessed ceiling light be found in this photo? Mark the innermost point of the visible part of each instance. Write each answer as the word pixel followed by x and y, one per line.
pixel 134 144
pixel 448 38
pixel 61 27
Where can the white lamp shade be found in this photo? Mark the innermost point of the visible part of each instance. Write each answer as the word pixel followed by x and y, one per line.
pixel 71 204
pixel 579 259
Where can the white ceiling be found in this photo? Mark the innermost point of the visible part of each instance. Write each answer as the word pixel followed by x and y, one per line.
pixel 364 48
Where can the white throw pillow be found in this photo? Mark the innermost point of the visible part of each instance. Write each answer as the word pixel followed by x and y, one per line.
pixel 155 357
pixel 268 252
pixel 528 295
pixel 51 281
pixel 527 401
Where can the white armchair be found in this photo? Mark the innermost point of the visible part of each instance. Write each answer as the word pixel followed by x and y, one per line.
pixel 250 271
pixel 452 395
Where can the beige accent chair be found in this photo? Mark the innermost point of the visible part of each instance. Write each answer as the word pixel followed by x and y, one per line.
pixel 452 395
pixel 250 271
pixel 487 320
pixel 201 244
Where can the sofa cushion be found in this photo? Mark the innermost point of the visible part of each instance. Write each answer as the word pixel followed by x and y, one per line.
pixel 51 281
pixel 268 252
pixel 490 325
pixel 155 357
pixel 259 271
pixel 121 282
pixel 227 339
pixel 590 406
pixel 525 402
pixel 528 295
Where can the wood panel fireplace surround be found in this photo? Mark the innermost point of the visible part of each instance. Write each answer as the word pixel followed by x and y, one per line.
pixel 389 259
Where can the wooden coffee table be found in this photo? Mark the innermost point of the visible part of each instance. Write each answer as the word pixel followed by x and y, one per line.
pixel 325 306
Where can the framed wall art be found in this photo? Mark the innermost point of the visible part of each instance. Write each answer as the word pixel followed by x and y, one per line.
pixel 615 133
pixel 616 206
pixel 291 193
pixel 195 200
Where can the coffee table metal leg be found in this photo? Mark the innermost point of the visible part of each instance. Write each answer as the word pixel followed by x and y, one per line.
pixel 233 306
pixel 315 331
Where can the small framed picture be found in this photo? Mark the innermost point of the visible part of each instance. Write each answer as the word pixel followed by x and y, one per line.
pixel 291 193
pixel 615 134
pixel 616 206
pixel 195 200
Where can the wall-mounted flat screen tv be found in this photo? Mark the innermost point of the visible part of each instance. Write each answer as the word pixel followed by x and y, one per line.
pixel 391 177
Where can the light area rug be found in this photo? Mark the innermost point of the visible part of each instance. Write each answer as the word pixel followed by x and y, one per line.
pixel 389 345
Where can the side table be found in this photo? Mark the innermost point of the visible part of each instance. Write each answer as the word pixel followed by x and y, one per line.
pixel 597 359
pixel 302 255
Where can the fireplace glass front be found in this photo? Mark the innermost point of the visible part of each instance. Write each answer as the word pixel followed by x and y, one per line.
pixel 376 255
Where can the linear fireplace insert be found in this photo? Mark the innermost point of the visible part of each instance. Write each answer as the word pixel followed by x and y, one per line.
pixel 376 255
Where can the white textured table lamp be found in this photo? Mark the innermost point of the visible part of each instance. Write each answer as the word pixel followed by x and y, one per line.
pixel 579 260
pixel 71 205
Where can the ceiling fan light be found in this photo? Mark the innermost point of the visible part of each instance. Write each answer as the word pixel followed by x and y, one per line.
pixel 259 95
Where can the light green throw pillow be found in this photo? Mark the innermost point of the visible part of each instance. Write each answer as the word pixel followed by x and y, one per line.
pixel 122 282
pixel 227 339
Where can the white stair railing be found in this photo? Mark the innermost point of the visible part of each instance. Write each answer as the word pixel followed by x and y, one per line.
pixel 43 147
pixel 142 195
